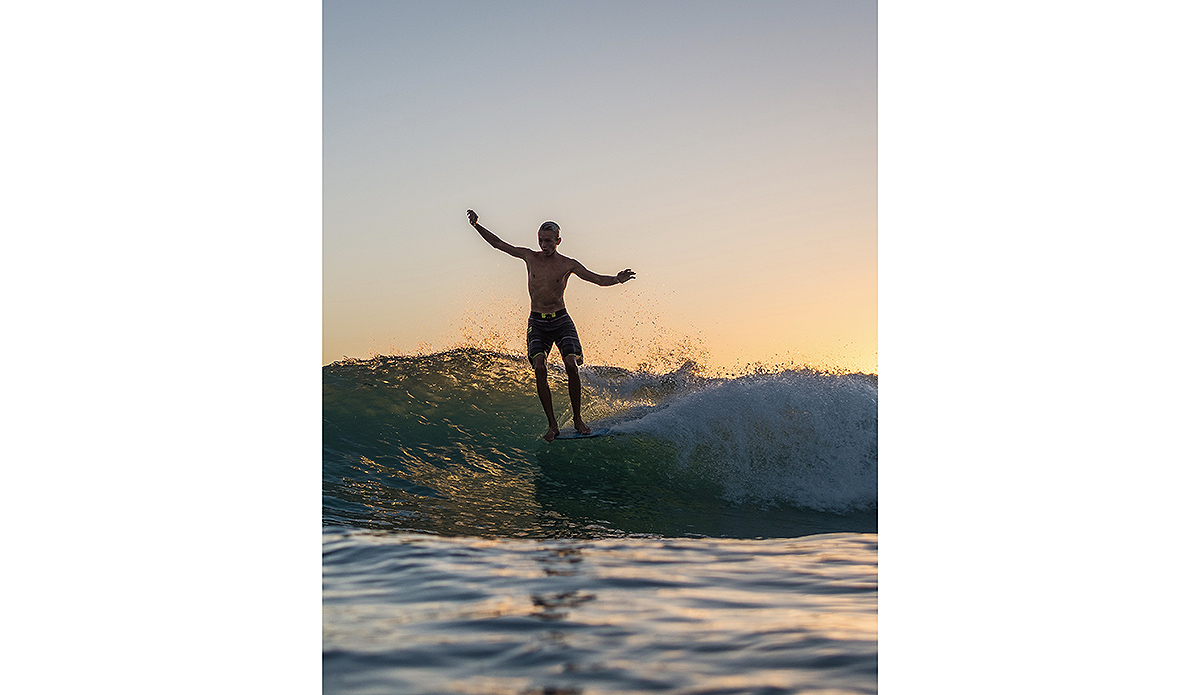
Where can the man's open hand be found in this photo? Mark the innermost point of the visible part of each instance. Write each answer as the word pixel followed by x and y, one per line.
pixel 625 275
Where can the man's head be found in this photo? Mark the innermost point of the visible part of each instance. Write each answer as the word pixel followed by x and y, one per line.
pixel 548 237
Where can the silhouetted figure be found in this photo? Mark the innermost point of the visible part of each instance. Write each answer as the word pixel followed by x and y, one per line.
pixel 548 320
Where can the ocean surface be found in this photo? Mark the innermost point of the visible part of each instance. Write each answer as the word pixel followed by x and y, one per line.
pixel 721 540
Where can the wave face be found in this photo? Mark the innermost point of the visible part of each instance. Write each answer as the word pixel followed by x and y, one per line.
pixel 450 444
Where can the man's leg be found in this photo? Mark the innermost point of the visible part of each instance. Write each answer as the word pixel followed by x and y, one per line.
pixel 543 392
pixel 575 388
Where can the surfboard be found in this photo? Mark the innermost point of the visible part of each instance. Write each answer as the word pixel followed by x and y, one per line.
pixel 603 426
pixel 568 433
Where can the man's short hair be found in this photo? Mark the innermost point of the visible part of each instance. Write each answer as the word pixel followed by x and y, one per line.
pixel 549 226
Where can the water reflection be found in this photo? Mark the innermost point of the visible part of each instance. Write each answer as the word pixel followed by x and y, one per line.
pixel 561 564
pixel 552 607
pixel 560 561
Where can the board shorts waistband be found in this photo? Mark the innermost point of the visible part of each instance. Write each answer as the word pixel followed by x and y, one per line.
pixel 551 315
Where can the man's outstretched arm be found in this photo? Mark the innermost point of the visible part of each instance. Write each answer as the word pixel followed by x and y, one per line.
pixel 603 280
pixel 494 240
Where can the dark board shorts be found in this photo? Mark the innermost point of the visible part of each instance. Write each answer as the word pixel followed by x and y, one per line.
pixel 553 329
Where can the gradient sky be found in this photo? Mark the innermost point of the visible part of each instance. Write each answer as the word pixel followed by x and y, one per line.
pixel 724 151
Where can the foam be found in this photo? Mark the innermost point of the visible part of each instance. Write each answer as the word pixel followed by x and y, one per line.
pixel 797 437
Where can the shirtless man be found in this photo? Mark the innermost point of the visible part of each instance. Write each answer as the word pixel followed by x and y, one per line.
pixel 548 321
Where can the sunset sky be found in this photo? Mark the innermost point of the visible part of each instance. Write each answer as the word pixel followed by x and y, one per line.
pixel 727 152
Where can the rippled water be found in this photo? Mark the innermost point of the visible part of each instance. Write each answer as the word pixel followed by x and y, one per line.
pixel 408 613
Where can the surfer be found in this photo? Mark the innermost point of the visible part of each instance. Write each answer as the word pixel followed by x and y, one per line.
pixel 548 320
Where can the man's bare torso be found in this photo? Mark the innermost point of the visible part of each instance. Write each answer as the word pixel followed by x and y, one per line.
pixel 548 280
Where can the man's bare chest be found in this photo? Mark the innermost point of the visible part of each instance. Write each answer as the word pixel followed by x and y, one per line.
pixel 548 272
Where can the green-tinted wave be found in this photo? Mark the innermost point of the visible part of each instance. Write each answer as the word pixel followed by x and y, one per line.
pixel 450 444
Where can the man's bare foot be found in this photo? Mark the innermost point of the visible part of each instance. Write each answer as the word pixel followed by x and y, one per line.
pixel 581 427
pixel 550 434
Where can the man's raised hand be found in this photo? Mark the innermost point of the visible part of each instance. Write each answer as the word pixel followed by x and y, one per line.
pixel 472 217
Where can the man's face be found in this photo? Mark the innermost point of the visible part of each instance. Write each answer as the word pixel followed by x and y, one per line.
pixel 548 241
